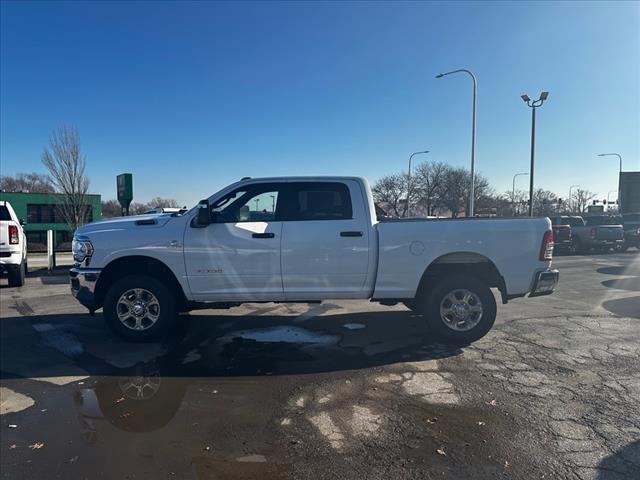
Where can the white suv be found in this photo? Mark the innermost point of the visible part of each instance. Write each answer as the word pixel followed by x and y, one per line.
pixel 13 246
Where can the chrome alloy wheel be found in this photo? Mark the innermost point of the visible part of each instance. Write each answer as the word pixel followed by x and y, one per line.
pixel 138 309
pixel 461 310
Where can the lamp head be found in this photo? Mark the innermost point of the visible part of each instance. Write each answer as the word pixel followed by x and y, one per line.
pixel 544 96
pixel 525 97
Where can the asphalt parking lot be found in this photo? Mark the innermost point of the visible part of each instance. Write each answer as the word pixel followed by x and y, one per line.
pixel 337 390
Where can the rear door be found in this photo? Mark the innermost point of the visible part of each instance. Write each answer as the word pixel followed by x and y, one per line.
pixel 325 241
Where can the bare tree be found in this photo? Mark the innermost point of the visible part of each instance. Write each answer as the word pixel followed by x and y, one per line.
pixel 391 190
pixel 454 190
pixel 159 202
pixel 517 199
pixel 26 182
pixel 429 184
pixel 111 208
pixel 581 198
pixel 67 165
pixel 545 203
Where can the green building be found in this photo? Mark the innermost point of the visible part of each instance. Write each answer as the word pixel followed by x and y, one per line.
pixel 40 212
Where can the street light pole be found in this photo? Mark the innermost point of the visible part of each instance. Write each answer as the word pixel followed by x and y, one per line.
pixel 409 180
pixel 513 192
pixel 534 104
pixel 473 134
pixel 619 179
pixel 570 197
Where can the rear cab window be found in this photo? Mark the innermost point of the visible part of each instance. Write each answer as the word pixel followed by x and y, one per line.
pixel 318 201
pixel 4 213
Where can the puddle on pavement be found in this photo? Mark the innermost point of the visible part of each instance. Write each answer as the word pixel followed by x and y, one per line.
pixel 287 334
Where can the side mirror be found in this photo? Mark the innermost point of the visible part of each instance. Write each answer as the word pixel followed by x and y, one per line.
pixel 203 217
pixel 23 222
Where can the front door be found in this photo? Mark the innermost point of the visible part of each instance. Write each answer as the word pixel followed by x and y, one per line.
pixel 238 257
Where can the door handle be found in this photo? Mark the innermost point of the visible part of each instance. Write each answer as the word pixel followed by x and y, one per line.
pixel 350 234
pixel 263 235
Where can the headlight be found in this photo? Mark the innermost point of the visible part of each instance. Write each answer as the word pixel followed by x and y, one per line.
pixel 81 248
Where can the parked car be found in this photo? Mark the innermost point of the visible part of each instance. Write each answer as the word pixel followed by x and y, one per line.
pixel 13 246
pixel 317 240
pixel 595 232
pixel 631 225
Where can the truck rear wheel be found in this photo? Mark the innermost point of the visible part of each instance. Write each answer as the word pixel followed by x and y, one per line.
pixel 460 309
pixel 139 308
pixel 16 275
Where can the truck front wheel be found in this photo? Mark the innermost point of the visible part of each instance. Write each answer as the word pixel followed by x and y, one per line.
pixel 139 308
pixel 460 309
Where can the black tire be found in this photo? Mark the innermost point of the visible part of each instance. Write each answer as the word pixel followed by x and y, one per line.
pixel 167 306
pixel 435 296
pixel 16 275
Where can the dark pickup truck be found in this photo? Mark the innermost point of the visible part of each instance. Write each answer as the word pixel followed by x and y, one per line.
pixel 600 232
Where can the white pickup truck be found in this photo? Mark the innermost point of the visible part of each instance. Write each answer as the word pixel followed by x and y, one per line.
pixel 306 239
pixel 13 246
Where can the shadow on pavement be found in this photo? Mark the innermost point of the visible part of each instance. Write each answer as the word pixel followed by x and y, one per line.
pixel 144 391
pixel 625 307
pixel 222 345
pixel 625 463
pixel 630 284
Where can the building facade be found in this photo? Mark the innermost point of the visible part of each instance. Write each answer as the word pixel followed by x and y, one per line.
pixel 40 213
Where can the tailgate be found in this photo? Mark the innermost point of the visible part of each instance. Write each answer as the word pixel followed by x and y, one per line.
pixel 609 232
pixel 561 233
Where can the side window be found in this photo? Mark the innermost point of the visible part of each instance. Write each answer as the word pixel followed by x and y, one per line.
pixel 319 201
pixel 253 203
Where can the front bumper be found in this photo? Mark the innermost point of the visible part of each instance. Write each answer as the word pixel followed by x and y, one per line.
pixel 545 283
pixel 83 286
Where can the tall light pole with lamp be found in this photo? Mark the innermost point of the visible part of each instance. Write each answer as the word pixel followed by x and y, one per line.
pixel 473 133
pixel 409 179
pixel 534 105
pixel 620 171
pixel 513 192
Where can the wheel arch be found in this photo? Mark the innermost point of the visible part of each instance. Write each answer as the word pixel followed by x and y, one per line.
pixel 139 264
pixel 464 263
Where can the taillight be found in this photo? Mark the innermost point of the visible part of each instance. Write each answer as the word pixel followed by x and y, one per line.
pixel 13 235
pixel 546 251
pixel 593 231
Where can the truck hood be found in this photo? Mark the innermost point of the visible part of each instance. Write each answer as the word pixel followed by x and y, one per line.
pixel 117 224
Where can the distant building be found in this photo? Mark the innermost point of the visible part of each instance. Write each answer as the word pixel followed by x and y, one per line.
pixel 40 212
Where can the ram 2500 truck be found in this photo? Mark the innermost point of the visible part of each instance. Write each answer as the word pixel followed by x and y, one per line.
pixel 306 239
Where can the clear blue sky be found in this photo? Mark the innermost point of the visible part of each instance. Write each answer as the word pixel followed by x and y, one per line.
pixel 192 96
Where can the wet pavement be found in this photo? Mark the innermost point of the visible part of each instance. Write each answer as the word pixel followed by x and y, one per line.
pixel 338 390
